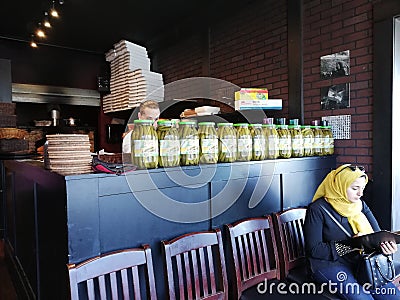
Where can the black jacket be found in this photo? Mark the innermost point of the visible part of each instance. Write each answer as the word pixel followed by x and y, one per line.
pixel 321 232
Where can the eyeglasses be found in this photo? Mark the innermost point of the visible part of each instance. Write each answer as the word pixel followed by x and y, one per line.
pixel 353 168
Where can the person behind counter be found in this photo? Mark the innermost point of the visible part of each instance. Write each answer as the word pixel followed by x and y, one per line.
pixel 148 110
pixel 330 262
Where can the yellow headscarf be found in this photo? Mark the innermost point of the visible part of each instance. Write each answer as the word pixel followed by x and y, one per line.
pixel 334 189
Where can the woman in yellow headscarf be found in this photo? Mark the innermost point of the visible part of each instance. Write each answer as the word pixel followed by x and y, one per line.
pixel 339 195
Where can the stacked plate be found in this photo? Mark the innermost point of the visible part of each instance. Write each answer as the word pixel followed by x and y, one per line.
pixel 131 80
pixel 68 154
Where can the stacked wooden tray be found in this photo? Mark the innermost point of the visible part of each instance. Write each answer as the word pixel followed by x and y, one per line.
pixel 68 154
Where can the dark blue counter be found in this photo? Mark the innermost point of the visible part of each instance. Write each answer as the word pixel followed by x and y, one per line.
pixel 69 219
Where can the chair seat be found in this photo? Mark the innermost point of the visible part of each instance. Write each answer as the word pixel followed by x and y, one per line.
pixel 298 275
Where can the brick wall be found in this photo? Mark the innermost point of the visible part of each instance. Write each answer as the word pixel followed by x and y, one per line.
pixel 329 27
pixel 182 60
pixel 249 49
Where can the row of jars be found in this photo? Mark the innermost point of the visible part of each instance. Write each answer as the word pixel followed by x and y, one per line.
pixel 168 146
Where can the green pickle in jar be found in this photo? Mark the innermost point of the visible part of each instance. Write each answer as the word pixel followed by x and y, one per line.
pixel 308 140
pixel 227 143
pixel 189 143
pixel 144 145
pixel 317 146
pixel 271 141
pixel 208 143
pixel 297 141
pixel 168 144
pixel 285 141
pixel 258 142
pixel 328 144
pixel 244 142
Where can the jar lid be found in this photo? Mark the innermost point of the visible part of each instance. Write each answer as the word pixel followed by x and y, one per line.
pixel 255 125
pixel 164 123
pixel 143 122
pixel 225 124
pixel 187 123
pixel 206 123
pixel 241 124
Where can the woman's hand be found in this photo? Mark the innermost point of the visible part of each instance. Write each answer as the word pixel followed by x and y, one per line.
pixel 388 247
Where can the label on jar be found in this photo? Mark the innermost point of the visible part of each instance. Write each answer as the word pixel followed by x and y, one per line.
pixel 273 143
pixel 228 147
pixel 308 142
pixel 297 143
pixel 189 146
pixel 259 144
pixel 244 144
pixel 209 146
pixel 169 147
pixel 145 148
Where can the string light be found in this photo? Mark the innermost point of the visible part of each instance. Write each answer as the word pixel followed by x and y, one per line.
pixel 33 43
pixel 40 31
pixel 53 11
pixel 46 21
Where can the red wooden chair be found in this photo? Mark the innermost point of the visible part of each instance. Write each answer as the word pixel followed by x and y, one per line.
pixel 254 254
pixel 290 238
pixel 195 266
pixel 115 275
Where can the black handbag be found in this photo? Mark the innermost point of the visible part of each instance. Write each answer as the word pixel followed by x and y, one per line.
pixel 375 270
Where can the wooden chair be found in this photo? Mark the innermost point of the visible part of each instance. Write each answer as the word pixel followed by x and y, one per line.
pixel 125 274
pixel 254 253
pixel 290 238
pixel 195 266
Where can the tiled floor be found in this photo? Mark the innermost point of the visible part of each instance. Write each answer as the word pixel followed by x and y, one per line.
pixel 7 291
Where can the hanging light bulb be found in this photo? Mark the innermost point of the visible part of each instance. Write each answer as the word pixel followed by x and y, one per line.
pixel 40 32
pixel 33 43
pixel 46 22
pixel 53 11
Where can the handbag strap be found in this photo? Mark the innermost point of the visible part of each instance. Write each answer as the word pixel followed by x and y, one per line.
pixel 336 221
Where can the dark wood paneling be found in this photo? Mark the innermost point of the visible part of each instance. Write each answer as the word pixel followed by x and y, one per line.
pixel 295 60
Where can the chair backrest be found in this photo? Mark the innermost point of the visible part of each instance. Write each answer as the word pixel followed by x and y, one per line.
pixel 254 253
pixel 195 266
pixel 290 239
pixel 125 274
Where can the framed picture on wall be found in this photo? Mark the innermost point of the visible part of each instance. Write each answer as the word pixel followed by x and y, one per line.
pixel 335 96
pixel 335 65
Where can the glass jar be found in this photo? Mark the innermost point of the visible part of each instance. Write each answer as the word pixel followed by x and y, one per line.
pixel 258 142
pixel 285 141
pixel 168 144
pixel 308 140
pixel 327 141
pixel 271 141
pixel 227 143
pixel 144 147
pixel 189 143
pixel 244 142
pixel 208 143
pixel 297 141
pixel 317 146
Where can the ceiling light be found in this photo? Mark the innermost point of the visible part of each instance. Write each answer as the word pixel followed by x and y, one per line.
pixel 33 43
pixel 40 32
pixel 53 11
pixel 46 22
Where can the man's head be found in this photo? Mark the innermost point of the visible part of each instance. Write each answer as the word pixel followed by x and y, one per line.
pixel 149 110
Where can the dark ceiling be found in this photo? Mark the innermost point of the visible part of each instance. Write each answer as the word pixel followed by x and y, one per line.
pixel 96 25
